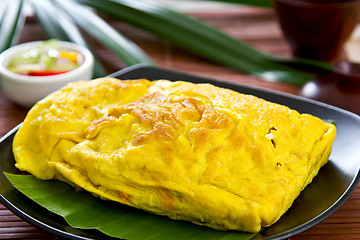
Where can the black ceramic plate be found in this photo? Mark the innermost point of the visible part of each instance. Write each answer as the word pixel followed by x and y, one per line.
pixel 328 191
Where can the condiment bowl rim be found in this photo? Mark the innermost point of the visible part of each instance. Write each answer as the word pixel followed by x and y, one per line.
pixel 9 53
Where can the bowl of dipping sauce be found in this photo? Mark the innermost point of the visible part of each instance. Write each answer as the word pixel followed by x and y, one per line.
pixel 317 29
pixel 30 71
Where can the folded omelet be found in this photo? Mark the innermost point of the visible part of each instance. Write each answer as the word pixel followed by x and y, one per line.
pixel 188 151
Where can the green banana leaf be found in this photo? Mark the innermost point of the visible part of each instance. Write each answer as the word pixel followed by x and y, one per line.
pixel 82 210
pixel 11 22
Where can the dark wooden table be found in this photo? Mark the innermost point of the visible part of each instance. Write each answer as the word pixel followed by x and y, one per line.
pixel 256 26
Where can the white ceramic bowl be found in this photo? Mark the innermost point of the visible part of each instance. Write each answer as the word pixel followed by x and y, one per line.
pixel 27 90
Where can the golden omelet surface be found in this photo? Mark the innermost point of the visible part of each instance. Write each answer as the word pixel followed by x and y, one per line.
pixel 194 152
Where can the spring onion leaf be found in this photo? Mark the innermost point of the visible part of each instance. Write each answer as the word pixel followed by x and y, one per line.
pixel 11 22
pixel 199 38
pixel 58 25
pixel 126 50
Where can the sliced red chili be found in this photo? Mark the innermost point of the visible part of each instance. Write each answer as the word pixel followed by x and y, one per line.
pixel 45 73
